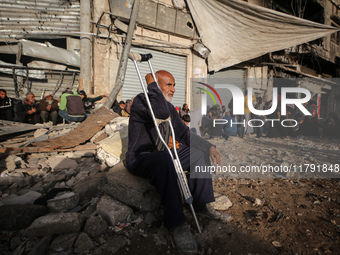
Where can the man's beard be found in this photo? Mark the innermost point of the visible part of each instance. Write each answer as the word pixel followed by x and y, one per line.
pixel 167 98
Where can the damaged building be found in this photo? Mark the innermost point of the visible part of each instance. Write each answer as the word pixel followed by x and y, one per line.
pixel 51 45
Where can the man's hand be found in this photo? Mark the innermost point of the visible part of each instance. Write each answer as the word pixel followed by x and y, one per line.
pixel 215 155
pixel 48 108
pixel 149 79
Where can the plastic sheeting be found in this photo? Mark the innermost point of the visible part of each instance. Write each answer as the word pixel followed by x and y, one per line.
pixel 236 31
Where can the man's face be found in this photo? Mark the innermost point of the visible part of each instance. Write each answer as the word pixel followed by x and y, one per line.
pixel 121 106
pixel 167 84
pixel 49 97
pixel 30 98
pixel 2 94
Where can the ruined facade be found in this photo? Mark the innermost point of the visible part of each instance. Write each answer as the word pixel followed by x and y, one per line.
pixel 166 29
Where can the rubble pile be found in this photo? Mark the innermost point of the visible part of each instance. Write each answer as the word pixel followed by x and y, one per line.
pixel 86 202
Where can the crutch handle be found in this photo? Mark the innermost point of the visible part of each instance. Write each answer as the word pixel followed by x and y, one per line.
pixel 140 57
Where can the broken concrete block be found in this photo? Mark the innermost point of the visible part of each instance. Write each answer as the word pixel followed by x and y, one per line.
pixel 25 199
pixel 116 124
pixel 41 246
pixel 52 177
pixel 83 154
pixel 95 226
pixel 55 224
pixel 83 244
pixel 112 210
pixel 106 157
pixel 116 144
pixel 16 217
pixel 60 163
pixel 131 190
pixel 98 137
pixel 40 132
pixel 63 202
pixel 63 242
pixel 221 202
pixel 90 186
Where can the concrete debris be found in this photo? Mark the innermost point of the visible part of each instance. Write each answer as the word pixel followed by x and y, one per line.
pixel 63 242
pixel 51 224
pixel 83 244
pixel 25 199
pixel 60 163
pixel 63 202
pixel 112 210
pixel 95 226
pixel 221 202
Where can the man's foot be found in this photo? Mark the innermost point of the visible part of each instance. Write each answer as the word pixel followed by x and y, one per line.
pixel 209 212
pixel 183 239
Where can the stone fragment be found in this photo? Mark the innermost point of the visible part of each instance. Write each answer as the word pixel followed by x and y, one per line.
pixel 25 199
pixel 63 242
pixel 63 202
pixel 90 186
pixel 55 224
pixel 52 177
pixel 40 132
pixel 116 124
pixel 131 190
pixel 221 202
pixel 16 217
pixel 112 210
pixel 95 226
pixel 106 157
pixel 83 244
pixel 116 144
pixel 82 154
pixel 41 246
pixel 60 163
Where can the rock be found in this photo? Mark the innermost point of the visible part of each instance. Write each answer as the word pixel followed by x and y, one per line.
pixel 112 210
pixel 51 177
pixel 221 202
pixel 90 186
pixel 257 201
pixel 82 154
pixel 131 190
pixel 41 246
pixel 60 163
pixel 101 135
pixel 83 244
pixel 95 226
pixel 111 246
pixel 16 217
pixel 116 146
pixel 55 224
pixel 63 242
pixel 116 124
pixel 40 132
pixel 106 157
pixel 150 219
pixel 277 244
pixel 25 199
pixel 63 202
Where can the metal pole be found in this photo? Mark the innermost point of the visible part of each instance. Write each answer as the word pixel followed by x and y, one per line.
pixel 124 58
pixel 85 45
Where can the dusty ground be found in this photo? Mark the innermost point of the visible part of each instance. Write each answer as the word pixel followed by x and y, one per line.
pixel 292 216
pixel 280 213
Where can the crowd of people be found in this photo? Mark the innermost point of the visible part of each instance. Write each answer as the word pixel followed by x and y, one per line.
pixel 295 123
pixel 72 106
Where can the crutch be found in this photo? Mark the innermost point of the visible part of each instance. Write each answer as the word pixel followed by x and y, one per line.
pixel 175 159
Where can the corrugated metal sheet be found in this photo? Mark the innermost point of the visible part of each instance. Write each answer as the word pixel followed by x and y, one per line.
pixel 174 64
pixel 43 17
pixel 52 78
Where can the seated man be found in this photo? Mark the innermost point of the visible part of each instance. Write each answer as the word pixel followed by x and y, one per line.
pixel 71 106
pixel 230 128
pixel 89 101
pixel 28 110
pixel 6 106
pixel 147 159
pixel 48 107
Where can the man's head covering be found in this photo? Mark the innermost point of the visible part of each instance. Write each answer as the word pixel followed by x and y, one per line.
pixel 121 102
pixel 46 94
pixel 82 92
